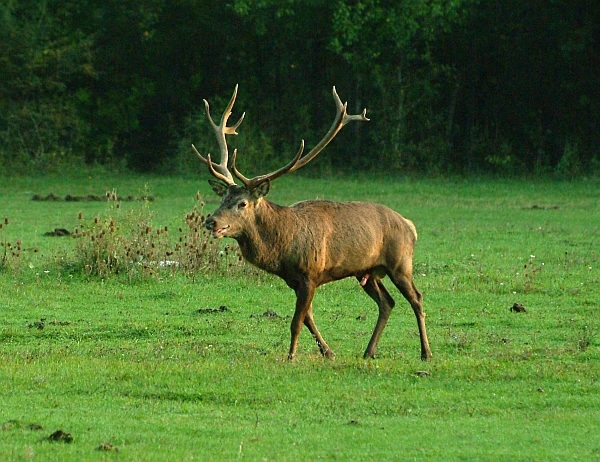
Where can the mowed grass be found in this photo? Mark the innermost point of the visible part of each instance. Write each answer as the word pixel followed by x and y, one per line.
pixel 136 366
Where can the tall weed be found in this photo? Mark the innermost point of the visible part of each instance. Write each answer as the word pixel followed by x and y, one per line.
pixel 129 243
pixel 11 250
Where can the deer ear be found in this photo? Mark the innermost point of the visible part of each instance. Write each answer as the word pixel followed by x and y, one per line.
pixel 219 188
pixel 262 189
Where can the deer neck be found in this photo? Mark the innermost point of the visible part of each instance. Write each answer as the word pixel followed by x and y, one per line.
pixel 266 237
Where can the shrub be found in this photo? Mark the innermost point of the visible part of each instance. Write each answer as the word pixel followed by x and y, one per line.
pixel 129 243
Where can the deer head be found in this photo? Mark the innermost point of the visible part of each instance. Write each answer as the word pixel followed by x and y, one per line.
pixel 237 211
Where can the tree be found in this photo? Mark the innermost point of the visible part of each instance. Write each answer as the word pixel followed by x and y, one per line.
pixel 41 63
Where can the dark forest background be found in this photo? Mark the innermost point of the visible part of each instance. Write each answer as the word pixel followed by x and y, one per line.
pixel 451 86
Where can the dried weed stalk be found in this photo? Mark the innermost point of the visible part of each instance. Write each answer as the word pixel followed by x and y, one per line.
pixel 530 272
pixel 11 252
pixel 129 243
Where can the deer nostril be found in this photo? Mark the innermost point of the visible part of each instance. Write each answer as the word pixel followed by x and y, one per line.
pixel 209 223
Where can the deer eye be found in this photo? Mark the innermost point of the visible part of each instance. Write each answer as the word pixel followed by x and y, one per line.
pixel 242 204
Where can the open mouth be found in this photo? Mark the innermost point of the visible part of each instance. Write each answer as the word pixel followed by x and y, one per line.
pixel 219 232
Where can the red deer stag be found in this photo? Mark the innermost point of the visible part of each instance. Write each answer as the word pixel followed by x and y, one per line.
pixel 314 242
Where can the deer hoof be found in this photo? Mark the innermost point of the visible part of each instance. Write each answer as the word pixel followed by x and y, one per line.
pixel 369 355
pixel 328 354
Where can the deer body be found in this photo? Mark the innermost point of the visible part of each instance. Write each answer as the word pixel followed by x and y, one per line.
pixel 325 241
pixel 315 242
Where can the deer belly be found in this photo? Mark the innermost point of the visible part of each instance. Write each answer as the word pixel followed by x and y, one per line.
pixel 361 269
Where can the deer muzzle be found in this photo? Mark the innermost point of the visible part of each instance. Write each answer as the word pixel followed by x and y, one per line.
pixel 211 225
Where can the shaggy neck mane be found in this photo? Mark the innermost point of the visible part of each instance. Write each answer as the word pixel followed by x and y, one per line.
pixel 267 236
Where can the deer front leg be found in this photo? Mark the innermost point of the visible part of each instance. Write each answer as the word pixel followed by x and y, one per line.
pixel 312 327
pixel 304 295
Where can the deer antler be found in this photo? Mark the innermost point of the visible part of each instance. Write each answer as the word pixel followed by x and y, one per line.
pixel 341 119
pixel 221 170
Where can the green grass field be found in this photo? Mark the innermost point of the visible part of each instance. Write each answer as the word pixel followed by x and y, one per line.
pixel 133 365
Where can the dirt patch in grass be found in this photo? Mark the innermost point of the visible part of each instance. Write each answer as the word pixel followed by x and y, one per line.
pixel 221 309
pixel 88 198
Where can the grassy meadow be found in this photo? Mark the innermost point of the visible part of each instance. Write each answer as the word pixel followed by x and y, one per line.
pixel 151 368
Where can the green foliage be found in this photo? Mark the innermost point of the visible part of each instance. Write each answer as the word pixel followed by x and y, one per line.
pixel 451 86
pixel 390 47
pixel 570 165
pixel 40 61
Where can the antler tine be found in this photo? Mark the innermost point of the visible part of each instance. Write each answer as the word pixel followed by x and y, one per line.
pixel 246 182
pixel 341 119
pixel 221 170
pixel 250 184
pixel 213 170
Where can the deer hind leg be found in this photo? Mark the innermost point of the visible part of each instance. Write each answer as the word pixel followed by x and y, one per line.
pixel 377 291
pixel 403 281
